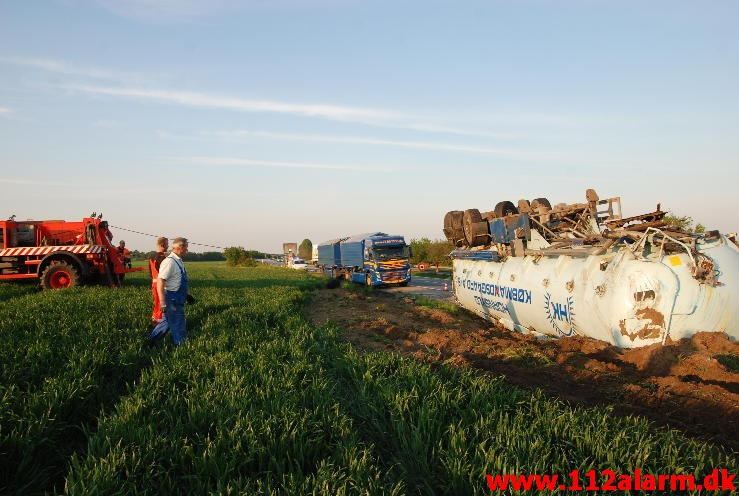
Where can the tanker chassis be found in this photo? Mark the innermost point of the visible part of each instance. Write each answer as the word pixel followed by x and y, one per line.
pixel 582 269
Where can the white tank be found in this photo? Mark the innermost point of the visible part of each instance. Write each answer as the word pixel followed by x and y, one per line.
pixel 625 296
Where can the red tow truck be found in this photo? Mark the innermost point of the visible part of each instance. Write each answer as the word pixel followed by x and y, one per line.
pixel 60 254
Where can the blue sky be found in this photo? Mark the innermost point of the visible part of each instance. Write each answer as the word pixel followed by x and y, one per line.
pixel 252 123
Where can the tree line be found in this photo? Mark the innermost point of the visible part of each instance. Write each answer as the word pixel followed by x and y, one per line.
pixel 237 255
pixel 431 251
pixel 206 256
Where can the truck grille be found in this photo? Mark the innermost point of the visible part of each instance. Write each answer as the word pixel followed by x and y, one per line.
pixel 392 275
pixel 393 264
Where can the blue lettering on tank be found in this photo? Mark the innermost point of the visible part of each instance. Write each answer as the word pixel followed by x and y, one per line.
pixel 519 295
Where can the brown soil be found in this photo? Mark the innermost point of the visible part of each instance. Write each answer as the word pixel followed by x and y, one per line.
pixel 681 384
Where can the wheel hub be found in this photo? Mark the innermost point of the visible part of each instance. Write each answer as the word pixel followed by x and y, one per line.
pixel 60 280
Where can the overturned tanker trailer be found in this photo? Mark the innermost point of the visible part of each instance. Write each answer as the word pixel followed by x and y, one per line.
pixel 583 269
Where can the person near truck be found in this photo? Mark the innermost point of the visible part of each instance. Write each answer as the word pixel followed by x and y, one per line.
pixel 155 261
pixel 172 287
pixel 125 254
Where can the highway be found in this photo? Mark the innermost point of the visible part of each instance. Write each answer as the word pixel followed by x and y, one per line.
pixel 430 287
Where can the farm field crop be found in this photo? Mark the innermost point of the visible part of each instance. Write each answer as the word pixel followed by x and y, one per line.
pixel 261 401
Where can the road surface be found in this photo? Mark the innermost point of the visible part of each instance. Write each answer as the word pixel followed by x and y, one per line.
pixel 430 287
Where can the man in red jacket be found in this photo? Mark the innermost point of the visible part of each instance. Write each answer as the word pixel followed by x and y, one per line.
pixel 154 262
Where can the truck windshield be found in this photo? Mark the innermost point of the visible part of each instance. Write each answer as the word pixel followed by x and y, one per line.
pixel 390 252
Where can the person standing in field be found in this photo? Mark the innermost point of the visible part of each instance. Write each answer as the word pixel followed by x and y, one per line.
pixel 125 254
pixel 172 289
pixel 155 262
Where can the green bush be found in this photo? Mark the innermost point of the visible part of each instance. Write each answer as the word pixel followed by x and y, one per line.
pixel 683 223
pixel 236 255
pixel 305 250
pixel 431 251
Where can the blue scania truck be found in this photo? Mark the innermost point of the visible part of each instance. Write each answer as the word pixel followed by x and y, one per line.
pixel 373 259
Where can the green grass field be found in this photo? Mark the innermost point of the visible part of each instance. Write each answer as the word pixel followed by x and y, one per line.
pixel 259 401
pixel 442 274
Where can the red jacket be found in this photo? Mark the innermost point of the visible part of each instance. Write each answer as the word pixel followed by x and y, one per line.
pixel 154 262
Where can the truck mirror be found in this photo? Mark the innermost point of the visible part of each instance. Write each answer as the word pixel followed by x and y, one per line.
pixel 410 251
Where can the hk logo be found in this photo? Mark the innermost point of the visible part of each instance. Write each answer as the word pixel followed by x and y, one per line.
pixel 561 315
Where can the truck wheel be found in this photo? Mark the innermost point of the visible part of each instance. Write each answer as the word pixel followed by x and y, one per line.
pixel 505 208
pixel 453 227
pixel 540 202
pixel 60 275
pixel 403 284
pixel 368 279
pixel 471 216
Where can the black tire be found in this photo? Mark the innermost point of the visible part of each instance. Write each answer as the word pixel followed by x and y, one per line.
pixel 505 208
pixel 453 227
pixel 540 202
pixel 403 284
pixel 471 216
pixel 60 275
pixel 368 280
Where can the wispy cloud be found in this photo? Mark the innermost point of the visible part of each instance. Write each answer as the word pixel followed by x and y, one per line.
pixel 155 10
pixel 129 85
pixel 361 115
pixel 244 162
pixel 507 152
pixel 71 69
pixel 197 10
pixel 31 182
pixel 431 128
pixel 195 99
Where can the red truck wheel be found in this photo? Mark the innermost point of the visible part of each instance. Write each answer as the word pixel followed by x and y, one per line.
pixel 59 275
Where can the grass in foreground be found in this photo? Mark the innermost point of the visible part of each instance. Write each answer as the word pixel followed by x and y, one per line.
pixel 729 360
pixel 258 401
pixel 437 304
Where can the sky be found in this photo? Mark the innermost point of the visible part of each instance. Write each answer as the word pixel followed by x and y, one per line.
pixel 252 123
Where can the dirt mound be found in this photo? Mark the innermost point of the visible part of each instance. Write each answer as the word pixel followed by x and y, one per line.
pixel 691 385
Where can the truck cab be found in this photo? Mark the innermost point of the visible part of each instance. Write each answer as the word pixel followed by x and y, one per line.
pixel 383 259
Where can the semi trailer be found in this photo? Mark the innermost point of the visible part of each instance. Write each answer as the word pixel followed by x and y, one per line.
pixel 60 254
pixel 583 269
pixel 373 259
